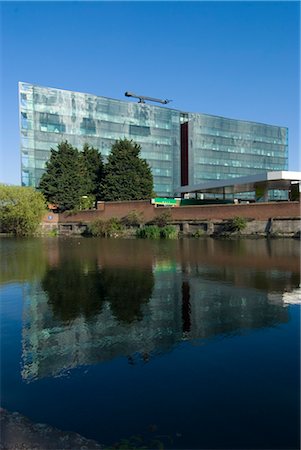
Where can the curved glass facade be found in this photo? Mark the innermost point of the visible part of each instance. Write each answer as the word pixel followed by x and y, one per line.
pixel 217 147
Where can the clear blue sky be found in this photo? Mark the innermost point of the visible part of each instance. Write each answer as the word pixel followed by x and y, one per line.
pixel 234 59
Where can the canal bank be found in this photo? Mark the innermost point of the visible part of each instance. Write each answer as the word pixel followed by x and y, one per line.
pixel 273 219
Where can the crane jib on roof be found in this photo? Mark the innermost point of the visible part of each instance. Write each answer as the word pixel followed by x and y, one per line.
pixel 142 98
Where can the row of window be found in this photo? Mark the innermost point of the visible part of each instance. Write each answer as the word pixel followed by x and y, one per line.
pixel 237 126
pixel 239 171
pixel 239 135
pixel 208 141
pixel 240 152
pixel 237 159
pixel 280 157
pixel 46 115
pixel 54 123
pixel 140 133
pixel 68 117
pixel 98 109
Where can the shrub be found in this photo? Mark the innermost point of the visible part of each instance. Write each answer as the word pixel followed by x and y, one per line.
pixel 155 232
pixel 237 224
pixel 53 232
pixel 21 210
pixel 199 233
pixel 133 219
pixel 163 219
pixel 148 232
pixel 106 228
pixel 168 232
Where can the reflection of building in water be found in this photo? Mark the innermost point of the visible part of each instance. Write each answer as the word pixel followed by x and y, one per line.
pixel 185 303
pixel 287 298
pixel 51 346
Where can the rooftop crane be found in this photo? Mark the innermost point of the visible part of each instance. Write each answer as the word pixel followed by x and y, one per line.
pixel 142 98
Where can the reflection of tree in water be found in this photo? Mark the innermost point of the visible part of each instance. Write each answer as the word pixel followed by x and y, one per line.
pixel 73 291
pixel 22 260
pixel 126 290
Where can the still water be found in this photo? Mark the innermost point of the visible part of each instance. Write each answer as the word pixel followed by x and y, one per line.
pixel 181 344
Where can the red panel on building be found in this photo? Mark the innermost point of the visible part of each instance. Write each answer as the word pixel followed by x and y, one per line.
pixel 184 154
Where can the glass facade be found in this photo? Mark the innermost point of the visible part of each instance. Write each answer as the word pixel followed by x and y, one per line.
pixel 215 147
pixel 221 148
pixel 48 116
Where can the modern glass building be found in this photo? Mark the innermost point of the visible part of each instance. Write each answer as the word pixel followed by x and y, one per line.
pixel 181 148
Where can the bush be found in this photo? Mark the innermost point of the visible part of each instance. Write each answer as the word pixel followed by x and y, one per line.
pixel 237 224
pixel 163 219
pixel 169 232
pixel 199 233
pixel 21 210
pixel 133 219
pixel 148 232
pixel 106 228
pixel 155 232
pixel 53 232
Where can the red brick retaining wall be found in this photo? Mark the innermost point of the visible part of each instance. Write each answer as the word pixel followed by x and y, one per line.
pixel 257 211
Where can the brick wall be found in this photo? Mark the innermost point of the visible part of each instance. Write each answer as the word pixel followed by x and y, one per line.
pixel 257 211
pixel 51 217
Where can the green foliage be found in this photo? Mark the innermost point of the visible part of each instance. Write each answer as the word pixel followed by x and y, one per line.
pixel 21 210
pixel 86 202
pixel 92 167
pixel 53 232
pixel 163 219
pixel 148 232
pixel 64 182
pixel 133 219
pixel 237 224
pixel 168 232
pixel 126 175
pixel 199 233
pixel 156 232
pixel 106 228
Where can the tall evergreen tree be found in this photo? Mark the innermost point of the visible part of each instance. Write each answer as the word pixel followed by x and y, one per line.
pixel 63 182
pixel 126 175
pixel 92 170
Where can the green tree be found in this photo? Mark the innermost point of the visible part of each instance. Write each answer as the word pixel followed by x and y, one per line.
pixel 21 210
pixel 63 183
pixel 92 170
pixel 126 175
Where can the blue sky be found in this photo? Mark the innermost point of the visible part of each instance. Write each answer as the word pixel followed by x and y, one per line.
pixel 233 59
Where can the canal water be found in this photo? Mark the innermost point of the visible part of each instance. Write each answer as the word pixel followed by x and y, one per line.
pixel 186 344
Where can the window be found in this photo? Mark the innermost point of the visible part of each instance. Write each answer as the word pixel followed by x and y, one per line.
pixel 23 99
pixel 52 123
pixel 88 126
pixel 24 121
pixel 137 130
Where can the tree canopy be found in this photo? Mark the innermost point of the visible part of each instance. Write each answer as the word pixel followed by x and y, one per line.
pixel 126 175
pixel 21 210
pixel 92 165
pixel 70 175
pixel 76 179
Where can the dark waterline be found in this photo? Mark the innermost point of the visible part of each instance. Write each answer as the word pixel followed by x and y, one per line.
pixel 186 344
